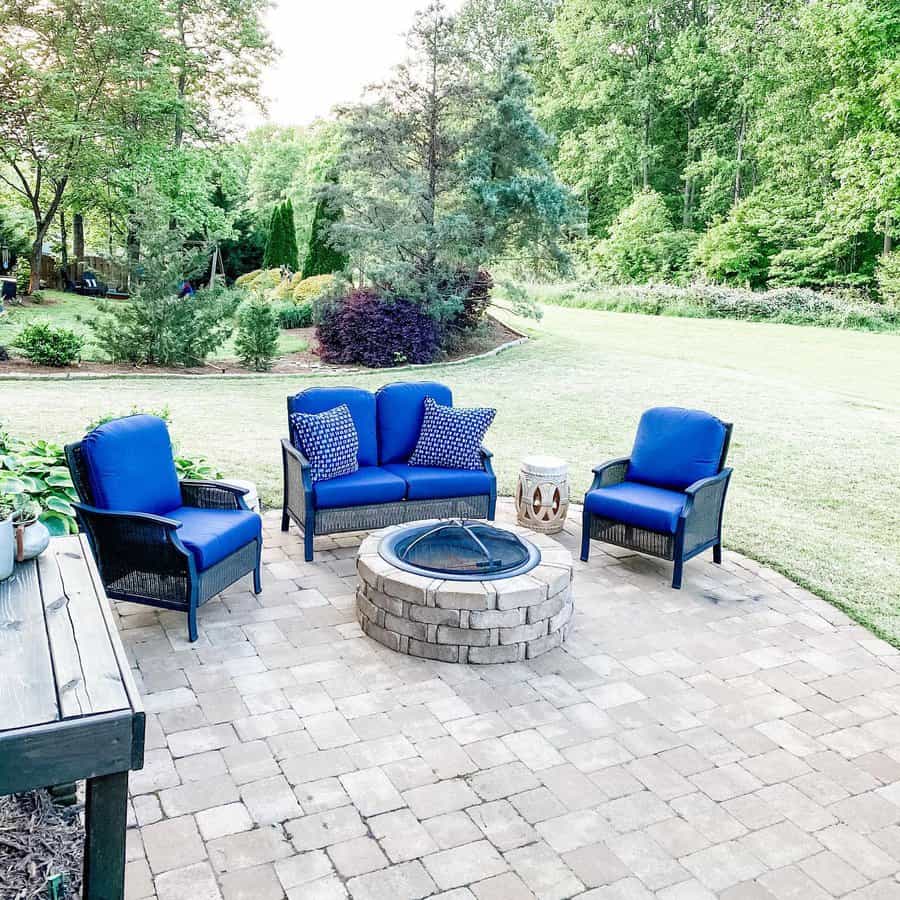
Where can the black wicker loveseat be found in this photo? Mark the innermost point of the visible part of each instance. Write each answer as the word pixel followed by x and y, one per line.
pixel 667 498
pixel 385 490
pixel 158 540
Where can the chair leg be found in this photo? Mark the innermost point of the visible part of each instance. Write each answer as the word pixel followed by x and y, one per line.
pixel 285 519
pixel 717 554
pixel 585 536
pixel 257 580
pixel 192 622
pixel 676 574
pixel 492 507
pixel 308 544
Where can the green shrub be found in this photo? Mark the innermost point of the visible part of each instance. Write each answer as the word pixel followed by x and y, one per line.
pixel 167 330
pixel 736 251
pixel 791 306
pixel 887 274
pixel 261 279
pixel 642 245
pixel 37 297
pixel 257 337
pixel 313 288
pixel 295 315
pixel 23 274
pixel 47 346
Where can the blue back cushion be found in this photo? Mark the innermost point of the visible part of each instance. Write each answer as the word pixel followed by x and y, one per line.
pixel 675 447
pixel 362 408
pixel 130 466
pixel 401 407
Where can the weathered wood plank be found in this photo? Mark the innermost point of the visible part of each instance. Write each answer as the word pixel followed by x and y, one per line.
pixel 134 697
pixel 103 681
pixel 27 688
pixel 63 751
pixel 73 695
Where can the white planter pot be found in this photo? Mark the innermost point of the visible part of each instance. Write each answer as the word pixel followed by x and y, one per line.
pixel 35 540
pixel 7 548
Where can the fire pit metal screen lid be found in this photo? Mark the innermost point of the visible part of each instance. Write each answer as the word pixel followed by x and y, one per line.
pixel 459 549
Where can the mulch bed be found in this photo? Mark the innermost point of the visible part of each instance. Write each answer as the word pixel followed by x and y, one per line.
pixel 37 841
pixel 494 334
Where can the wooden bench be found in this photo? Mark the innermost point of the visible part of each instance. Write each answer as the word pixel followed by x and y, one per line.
pixel 69 708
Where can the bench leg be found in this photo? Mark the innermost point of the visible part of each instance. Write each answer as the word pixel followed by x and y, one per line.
pixel 106 813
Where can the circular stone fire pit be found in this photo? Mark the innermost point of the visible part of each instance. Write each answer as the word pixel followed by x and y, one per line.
pixel 460 591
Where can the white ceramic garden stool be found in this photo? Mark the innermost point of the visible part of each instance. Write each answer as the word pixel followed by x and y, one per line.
pixel 251 498
pixel 542 497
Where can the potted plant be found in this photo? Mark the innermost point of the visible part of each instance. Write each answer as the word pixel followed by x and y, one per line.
pixel 32 535
pixel 7 536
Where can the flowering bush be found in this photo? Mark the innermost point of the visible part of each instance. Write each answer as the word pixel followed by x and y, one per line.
pixel 369 330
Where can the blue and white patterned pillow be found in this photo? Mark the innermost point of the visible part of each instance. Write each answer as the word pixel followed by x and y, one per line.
pixel 450 437
pixel 328 440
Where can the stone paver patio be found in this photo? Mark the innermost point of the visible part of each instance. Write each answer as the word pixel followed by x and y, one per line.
pixel 739 738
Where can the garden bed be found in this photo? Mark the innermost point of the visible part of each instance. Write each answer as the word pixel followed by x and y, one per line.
pixel 492 335
pixel 38 840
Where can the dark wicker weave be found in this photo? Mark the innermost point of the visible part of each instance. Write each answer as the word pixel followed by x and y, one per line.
pixel 140 557
pixel 299 506
pixel 699 526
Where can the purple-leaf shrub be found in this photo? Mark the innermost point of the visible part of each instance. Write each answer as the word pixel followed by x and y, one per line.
pixel 365 329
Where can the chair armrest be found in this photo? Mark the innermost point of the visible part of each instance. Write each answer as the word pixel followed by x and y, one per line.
pixel 138 518
pixel 486 457
pixel 212 495
pixel 609 473
pixel 702 513
pixel 296 466
pixel 289 450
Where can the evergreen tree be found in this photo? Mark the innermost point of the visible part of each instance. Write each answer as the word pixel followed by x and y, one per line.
pixel 281 246
pixel 322 258
pixel 291 253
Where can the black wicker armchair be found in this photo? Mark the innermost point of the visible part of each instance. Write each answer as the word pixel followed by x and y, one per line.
pixel 667 498
pixel 157 540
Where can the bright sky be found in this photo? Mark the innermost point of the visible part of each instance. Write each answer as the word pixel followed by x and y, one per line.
pixel 330 50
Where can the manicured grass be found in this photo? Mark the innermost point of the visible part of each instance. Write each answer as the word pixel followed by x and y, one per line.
pixel 72 311
pixel 816 440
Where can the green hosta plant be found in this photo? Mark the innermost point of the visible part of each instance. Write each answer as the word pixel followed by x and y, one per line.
pixel 36 478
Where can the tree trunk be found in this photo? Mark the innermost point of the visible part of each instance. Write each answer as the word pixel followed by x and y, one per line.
pixel 888 244
pixel 739 155
pixel 37 256
pixel 687 215
pixel 645 153
pixel 78 236
pixel 64 244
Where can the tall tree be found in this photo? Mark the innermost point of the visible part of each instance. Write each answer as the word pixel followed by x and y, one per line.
pixel 322 257
pixel 68 68
pixel 441 172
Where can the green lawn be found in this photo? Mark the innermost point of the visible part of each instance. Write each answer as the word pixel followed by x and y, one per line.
pixel 75 312
pixel 816 447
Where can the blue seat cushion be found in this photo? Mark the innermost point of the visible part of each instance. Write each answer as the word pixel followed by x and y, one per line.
pixel 399 409
pixel 675 447
pixel 642 505
pixel 130 466
pixel 214 534
pixel 362 408
pixel 432 483
pixel 369 484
